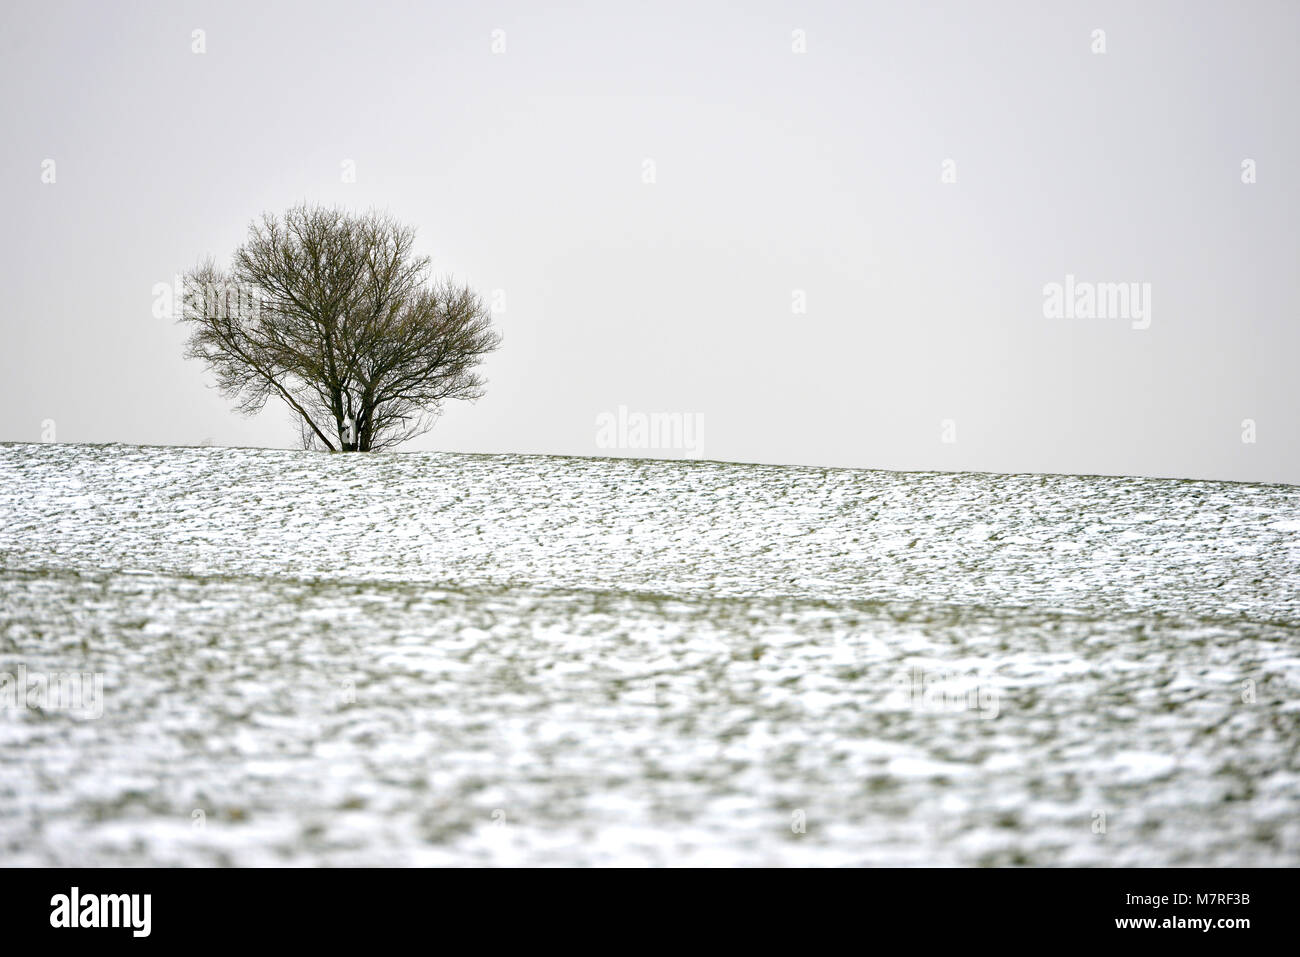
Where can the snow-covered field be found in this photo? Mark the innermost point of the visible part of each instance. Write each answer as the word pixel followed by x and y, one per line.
pixel 457 659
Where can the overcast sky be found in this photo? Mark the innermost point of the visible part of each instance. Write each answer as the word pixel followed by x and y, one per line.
pixel 778 179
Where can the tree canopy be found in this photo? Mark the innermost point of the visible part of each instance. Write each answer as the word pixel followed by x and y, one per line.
pixel 337 316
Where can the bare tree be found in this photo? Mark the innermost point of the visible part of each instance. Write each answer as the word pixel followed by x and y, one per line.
pixel 307 440
pixel 336 316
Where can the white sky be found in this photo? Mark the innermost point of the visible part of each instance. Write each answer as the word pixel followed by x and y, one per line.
pixel 775 171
